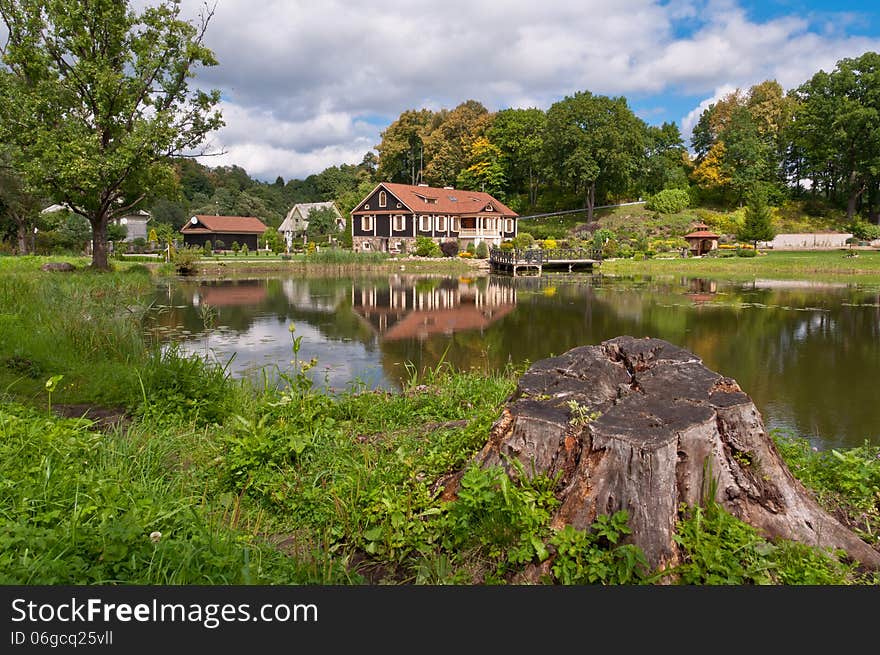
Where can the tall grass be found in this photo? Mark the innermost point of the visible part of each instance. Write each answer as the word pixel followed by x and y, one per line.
pixel 83 325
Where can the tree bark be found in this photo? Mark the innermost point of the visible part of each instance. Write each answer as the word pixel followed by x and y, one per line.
pixel 641 425
pixel 100 256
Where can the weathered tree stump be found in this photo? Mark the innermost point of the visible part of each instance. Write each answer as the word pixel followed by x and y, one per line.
pixel 641 425
pixel 64 267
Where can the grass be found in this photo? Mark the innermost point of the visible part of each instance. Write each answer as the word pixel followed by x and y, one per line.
pixel 251 485
pixel 830 266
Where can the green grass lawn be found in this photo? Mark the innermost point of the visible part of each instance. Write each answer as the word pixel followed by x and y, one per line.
pixel 826 265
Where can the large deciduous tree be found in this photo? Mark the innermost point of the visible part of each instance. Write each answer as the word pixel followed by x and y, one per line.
pixel 401 152
pixel 95 96
pixel 519 135
pixel 594 141
pixel 837 127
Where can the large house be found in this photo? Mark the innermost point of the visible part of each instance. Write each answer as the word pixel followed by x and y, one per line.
pixel 244 230
pixel 393 215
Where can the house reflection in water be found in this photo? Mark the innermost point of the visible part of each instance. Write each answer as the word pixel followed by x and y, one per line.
pixel 411 309
pixel 701 290
pixel 230 294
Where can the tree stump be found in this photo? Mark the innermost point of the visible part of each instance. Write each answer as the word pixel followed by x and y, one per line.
pixel 64 267
pixel 643 426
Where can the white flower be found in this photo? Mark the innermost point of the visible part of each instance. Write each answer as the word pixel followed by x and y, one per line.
pixel 155 536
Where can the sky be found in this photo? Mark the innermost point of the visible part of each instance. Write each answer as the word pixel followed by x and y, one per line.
pixel 308 84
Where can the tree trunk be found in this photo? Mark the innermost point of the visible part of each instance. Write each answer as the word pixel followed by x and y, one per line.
pixel 100 258
pixel 591 201
pixel 641 425
pixel 23 233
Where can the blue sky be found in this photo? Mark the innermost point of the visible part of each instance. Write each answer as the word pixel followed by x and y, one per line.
pixel 309 84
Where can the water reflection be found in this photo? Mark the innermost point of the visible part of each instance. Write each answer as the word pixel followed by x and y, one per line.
pixel 412 309
pixel 806 354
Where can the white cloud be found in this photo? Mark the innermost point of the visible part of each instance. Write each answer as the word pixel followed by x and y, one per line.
pixel 307 81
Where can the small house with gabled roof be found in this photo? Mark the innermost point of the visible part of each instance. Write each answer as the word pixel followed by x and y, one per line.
pixel 297 220
pixel 245 230
pixel 393 215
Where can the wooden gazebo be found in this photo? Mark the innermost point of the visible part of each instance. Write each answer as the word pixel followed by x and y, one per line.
pixel 701 239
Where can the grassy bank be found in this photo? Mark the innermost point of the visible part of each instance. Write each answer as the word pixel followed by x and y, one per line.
pixel 830 265
pixel 209 480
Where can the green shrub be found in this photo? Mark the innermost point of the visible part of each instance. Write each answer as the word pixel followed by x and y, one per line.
pixel 864 231
pixel 746 252
pixel 523 241
pixel 669 201
pixel 185 260
pixel 482 250
pixel 472 249
pixel 602 235
pixel 235 247
pixel 207 247
pixel 506 246
pixel 427 247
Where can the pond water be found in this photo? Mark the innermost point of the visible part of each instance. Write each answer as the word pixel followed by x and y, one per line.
pixel 808 354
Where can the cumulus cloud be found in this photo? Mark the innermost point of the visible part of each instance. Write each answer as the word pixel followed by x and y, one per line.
pixel 307 84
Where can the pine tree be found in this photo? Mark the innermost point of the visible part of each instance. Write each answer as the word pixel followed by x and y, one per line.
pixel 758 225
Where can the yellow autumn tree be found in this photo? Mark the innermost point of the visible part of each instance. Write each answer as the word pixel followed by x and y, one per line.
pixel 709 173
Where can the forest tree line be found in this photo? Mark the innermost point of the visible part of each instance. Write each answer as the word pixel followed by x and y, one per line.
pixel 820 140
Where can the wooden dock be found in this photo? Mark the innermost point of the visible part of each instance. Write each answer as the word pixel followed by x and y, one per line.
pixel 534 260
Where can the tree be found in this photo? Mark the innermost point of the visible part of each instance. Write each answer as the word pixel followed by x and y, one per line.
pixel 665 159
pixel 519 134
pixel 594 142
pixel 758 223
pixel 837 127
pixel 322 221
pixel 748 157
pixel 401 152
pixel 95 97
pixel 18 204
pixel 447 146
pixel 484 171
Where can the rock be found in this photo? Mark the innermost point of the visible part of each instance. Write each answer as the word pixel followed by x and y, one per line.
pixel 643 426
pixel 58 266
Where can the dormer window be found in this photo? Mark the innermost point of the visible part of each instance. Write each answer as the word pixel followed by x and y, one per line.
pixel 383 199
pixel 490 208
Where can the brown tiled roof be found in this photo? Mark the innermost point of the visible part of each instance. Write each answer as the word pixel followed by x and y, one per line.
pixel 448 201
pixel 702 234
pixel 227 224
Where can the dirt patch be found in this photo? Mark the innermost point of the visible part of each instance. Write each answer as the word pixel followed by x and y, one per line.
pixel 105 418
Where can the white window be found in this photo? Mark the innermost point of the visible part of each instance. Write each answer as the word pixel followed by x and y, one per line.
pixel 456 223
pixel 399 223
pixel 424 223
pixel 508 225
pixel 441 223
pixel 366 223
pixel 383 199
pixel 490 208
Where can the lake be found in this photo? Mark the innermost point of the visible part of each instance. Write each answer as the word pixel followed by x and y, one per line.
pixel 807 353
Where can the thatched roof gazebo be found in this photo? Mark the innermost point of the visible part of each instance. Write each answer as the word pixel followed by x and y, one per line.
pixel 701 239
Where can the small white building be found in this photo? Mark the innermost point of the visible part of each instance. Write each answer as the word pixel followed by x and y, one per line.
pixel 135 222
